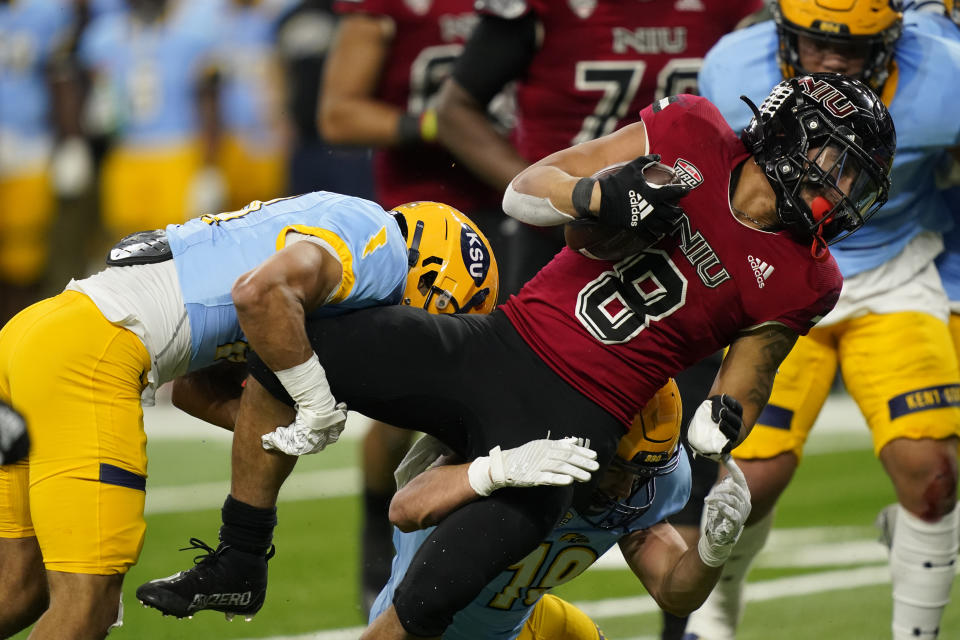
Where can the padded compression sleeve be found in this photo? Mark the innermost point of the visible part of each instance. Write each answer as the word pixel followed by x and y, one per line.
pixel 497 52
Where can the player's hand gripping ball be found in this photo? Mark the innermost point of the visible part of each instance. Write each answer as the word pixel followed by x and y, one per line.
pixel 597 240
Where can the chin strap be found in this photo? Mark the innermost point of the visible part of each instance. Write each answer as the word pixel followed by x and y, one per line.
pixel 819 249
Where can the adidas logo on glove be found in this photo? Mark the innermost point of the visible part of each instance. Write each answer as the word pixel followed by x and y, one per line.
pixel 639 208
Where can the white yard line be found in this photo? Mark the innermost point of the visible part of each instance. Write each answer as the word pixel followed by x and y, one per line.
pixel 623 607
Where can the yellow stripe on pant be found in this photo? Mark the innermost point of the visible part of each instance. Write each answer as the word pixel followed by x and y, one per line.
pixel 77 380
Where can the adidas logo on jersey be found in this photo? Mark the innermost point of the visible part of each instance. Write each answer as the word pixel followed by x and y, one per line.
pixel 761 270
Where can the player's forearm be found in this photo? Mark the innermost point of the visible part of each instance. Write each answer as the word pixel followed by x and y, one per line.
pixel 211 394
pixel 749 368
pixel 272 319
pixel 464 129
pixel 431 496
pixel 359 121
pixel 687 585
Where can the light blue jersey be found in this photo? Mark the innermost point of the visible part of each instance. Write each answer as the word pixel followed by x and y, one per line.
pixel 504 605
pixel 212 251
pixel 150 72
pixel 30 32
pixel 923 111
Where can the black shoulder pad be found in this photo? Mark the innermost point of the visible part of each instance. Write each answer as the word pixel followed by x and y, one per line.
pixel 143 247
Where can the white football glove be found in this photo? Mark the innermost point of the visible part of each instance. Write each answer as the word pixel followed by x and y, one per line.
pixel 310 432
pixel 539 462
pixel 725 510
pixel 14 443
pixel 320 418
pixel 715 426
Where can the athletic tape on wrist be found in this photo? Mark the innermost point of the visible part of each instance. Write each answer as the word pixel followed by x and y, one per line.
pixel 307 385
pixel 582 193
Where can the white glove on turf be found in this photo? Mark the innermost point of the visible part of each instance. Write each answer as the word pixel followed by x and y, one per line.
pixel 725 510
pixel 539 462
pixel 320 419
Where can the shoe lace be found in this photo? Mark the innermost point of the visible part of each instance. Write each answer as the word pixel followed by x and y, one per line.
pixel 211 553
pixel 197 543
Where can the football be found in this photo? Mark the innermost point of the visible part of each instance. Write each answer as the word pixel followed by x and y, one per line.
pixel 601 242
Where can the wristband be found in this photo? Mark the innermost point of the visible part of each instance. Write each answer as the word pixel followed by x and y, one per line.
pixel 307 385
pixel 581 196
pixel 710 556
pixel 416 128
pixel 478 473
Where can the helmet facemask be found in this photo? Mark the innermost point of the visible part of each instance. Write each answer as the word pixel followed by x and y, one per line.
pixel 828 181
pixel 860 31
pixel 650 449
pixel 626 491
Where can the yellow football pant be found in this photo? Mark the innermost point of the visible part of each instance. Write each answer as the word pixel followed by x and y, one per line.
pixel 26 213
pixel 146 189
pixel 901 368
pixel 77 380
pixel 250 176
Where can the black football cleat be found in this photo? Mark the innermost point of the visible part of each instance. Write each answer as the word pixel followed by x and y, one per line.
pixel 224 579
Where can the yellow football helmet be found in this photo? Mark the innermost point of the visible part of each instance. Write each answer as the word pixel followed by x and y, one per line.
pixel 953 10
pixel 452 267
pixel 651 448
pixel 874 24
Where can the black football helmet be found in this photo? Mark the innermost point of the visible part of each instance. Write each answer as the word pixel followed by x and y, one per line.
pixel 826 144
pixel 649 450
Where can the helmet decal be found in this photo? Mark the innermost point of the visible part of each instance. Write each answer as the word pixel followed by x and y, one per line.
pixel 475 254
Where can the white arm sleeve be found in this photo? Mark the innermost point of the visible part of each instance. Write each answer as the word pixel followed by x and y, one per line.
pixel 539 212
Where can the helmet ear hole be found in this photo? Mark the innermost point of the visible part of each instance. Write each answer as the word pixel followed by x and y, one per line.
pixel 426 281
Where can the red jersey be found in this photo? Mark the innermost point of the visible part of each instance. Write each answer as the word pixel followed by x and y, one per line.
pixel 428 36
pixel 601 61
pixel 617 331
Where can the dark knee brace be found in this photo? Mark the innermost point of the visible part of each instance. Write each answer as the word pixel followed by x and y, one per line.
pixel 469 549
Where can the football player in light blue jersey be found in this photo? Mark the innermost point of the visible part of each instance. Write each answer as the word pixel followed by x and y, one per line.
pixel 251 97
pixel 648 481
pixel 33 34
pixel 892 296
pixel 152 90
pixel 171 304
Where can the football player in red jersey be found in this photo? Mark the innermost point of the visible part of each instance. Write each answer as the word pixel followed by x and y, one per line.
pixel 380 79
pixel 587 342
pixel 627 54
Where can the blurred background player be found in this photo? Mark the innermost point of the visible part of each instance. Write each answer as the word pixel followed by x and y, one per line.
pixel 892 295
pixel 34 37
pixel 380 80
pixel 648 479
pixel 304 35
pixel 152 90
pixel 629 55
pixel 255 130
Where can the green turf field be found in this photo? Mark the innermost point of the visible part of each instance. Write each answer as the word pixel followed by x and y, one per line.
pixel 823 541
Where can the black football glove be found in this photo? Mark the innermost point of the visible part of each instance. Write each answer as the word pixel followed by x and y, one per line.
pixel 14 443
pixel 715 427
pixel 629 201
